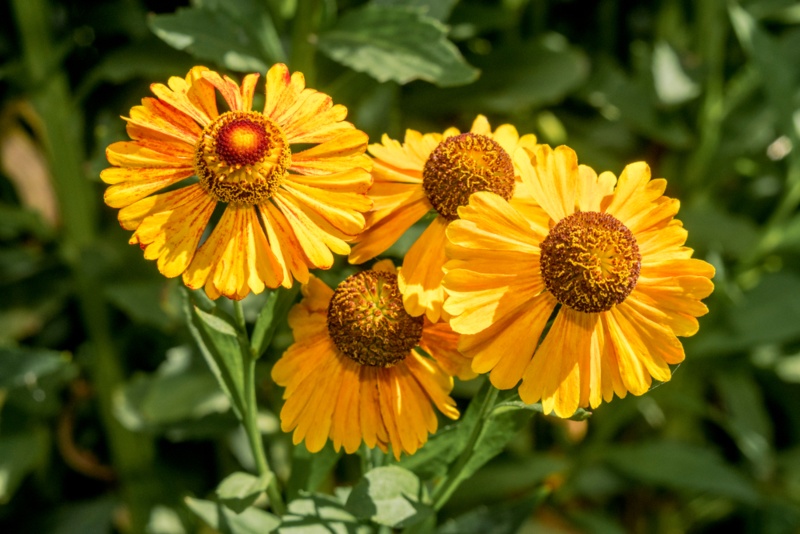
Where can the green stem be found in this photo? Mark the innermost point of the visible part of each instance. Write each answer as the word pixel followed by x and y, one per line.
pixel 306 20
pixel 132 453
pixel 250 417
pixel 445 490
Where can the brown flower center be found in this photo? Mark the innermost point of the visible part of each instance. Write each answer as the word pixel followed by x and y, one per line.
pixel 242 157
pixel 367 321
pixel 590 261
pixel 462 165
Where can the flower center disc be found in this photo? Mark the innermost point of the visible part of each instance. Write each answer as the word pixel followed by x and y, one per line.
pixel 242 157
pixel 462 165
pixel 367 321
pixel 590 261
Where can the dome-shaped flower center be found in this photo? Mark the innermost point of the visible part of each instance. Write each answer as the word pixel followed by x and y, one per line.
pixel 367 321
pixel 590 261
pixel 462 165
pixel 242 157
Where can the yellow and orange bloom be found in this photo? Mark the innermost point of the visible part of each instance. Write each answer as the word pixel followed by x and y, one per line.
pixel 355 373
pixel 434 172
pixel 284 211
pixel 607 256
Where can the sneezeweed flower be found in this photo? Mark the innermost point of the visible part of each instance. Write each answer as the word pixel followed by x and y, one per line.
pixel 608 255
pixel 284 212
pixel 434 172
pixel 354 372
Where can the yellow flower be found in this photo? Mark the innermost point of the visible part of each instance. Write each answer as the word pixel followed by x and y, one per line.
pixel 284 211
pixel 354 372
pixel 606 253
pixel 434 172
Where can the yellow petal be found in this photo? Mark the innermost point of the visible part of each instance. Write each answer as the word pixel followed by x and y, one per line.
pixel 420 279
pixel 341 153
pixel 554 375
pixel 553 180
pixel 135 184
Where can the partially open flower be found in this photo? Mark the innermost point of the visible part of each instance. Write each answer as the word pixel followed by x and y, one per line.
pixel 355 374
pixel 609 257
pixel 284 212
pixel 435 172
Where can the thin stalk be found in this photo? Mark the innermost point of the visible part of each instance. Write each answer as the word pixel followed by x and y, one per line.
pixel 445 490
pixel 712 36
pixel 306 20
pixel 250 417
pixel 132 454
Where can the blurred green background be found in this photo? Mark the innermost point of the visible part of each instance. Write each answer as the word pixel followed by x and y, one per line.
pixel 109 415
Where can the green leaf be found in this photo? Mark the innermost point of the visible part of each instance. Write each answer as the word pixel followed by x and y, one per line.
pixel 309 470
pixel 320 514
pixel 215 515
pixel 778 75
pixel 766 315
pixel 275 309
pixel 672 84
pixel 219 344
pixel 748 419
pixel 141 301
pixel 390 496
pixel 551 70
pixel 436 9
pixel 395 43
pixel 682 467
pixel 19 455
pixel 23 368
pixel 176 393
pixel 505 518
pixel 238 35
pixel 240 490
pixel 712 228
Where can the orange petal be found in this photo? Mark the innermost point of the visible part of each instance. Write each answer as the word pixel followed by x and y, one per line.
pixel 339 154
pixel 441 342
pixel 553 180
pixel 135 184
pixel 169 226
pixel 155 119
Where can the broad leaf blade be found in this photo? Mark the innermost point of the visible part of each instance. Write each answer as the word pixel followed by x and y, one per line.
pixel 390 496
pixel 250 521
pixel 275 309
pixel 240 490
pixel 398 44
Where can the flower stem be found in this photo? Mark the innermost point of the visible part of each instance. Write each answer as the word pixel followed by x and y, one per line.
pixel 306 20
pixel 449 485
pixel 250 417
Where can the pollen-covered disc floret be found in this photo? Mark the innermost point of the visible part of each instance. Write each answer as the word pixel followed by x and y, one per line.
pixel 462 165
pixel 590 261
pixel 242 157
pixel 367 321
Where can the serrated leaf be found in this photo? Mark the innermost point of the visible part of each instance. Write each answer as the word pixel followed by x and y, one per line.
pixel 680 466
pixel 210 35
pixel 215 515
pixel 239 490
pixel 398 44
pixel 390 496
pixel 276 308
pixel 219 345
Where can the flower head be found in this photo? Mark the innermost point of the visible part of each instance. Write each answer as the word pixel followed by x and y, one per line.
pixel 607 255
pixel 435 172
pixel 284 211
pixel 354 373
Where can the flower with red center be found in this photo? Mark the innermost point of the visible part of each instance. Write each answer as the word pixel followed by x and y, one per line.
pixel 435 172
pixel 284 211
pixel 355 372
pixel 607 254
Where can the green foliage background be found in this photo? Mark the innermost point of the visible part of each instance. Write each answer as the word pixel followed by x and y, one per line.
pixel 104 398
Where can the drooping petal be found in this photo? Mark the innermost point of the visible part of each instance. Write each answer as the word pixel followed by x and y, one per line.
pixel 420 279
pixel 169 226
